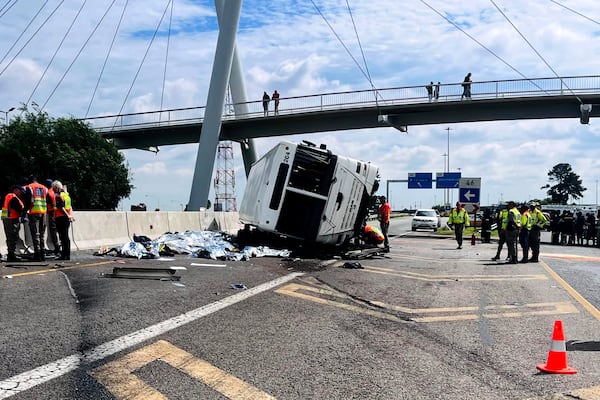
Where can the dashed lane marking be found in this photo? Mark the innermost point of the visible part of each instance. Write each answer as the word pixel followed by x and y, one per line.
pixel 442 278
pixel 119 376
pixel 449 314
pixel 27 380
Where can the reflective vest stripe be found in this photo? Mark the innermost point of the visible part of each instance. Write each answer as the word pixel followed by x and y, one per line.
pixel 38 205
pixel 7 210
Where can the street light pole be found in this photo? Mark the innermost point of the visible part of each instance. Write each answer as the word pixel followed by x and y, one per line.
pixel 6 114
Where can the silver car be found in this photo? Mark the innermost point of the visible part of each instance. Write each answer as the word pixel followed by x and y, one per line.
pixel 426 218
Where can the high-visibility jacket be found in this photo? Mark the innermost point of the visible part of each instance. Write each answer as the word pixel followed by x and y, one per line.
pixel 50 206
pixel 38 201
pixel 373 234
pixel 514 215
pixel 526 220
pixel 538 219
pixel 458 217
pixel 7 210
pixel 384 213
pixel 503 216
pixel 65 202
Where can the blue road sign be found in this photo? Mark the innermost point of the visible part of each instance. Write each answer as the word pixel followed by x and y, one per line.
pixel 468 195
pixel 420 180
pixel 447 180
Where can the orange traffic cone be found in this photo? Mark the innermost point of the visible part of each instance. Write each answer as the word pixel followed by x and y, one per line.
pixel 557 356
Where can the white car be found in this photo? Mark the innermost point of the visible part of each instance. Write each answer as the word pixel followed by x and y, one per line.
pixel 426 218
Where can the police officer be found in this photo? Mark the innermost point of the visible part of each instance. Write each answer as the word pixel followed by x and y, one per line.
pixel 458 219
pixel 13 211
pixel 513 224
pixel 524 232
pixel 538 221
pixel 501 218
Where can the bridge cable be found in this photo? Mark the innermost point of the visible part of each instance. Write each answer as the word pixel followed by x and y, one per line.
pixel 4 9
pixel 166 60
pixel 107 57
pixel 56 52
pixel 78 54
pixel 142 62
pixel 576 12
pixel 363 55
pixel 340 40
pixel 23 33
pixel 483 46
pixel 535 51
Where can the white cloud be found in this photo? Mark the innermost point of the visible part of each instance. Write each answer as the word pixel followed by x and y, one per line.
pixel 288 46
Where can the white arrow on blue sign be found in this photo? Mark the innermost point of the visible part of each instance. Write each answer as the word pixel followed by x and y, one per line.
pixel 469 195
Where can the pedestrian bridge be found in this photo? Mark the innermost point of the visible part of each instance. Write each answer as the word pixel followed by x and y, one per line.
pixel 400 107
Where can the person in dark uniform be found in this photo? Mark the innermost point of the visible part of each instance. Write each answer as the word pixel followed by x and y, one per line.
pixel 486 226
pixel 266 99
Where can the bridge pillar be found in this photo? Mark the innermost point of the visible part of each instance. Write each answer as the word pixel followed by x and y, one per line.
pixel 211 126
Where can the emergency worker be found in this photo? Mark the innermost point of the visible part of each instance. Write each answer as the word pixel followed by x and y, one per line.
pixel 384 214
pixel 513 225
pixel 51 221
pixel 37 217
pixel 501 217
pixel 486 226
pixel 63 213
pixel 525 232
pixel 458 219
pixel 372 235
pixel 13 211
pixel 538 221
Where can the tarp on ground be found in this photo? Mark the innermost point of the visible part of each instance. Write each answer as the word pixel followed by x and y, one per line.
pixel 200 244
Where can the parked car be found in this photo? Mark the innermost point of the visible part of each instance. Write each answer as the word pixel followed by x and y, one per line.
pixel 426 218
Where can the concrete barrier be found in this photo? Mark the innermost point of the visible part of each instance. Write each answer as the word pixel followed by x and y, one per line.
pixel 95 229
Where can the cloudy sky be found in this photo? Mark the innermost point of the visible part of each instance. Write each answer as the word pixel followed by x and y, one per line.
pixel 78 58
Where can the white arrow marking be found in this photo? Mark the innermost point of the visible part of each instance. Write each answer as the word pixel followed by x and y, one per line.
pixel 468 195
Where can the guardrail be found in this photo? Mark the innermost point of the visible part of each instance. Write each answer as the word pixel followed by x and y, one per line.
pixel 514 88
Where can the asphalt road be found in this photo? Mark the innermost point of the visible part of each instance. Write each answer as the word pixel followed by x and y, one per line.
pixel 424 321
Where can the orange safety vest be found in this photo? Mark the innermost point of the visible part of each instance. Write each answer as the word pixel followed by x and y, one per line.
pixel 384 213
pixel 66 199
pixel 38 203
pixel 7 211
pixel 374 234
pixel 52 205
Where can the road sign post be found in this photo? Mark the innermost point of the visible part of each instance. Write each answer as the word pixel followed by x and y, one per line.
pixel 469 190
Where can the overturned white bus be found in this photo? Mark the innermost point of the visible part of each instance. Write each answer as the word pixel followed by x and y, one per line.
pixel 304 192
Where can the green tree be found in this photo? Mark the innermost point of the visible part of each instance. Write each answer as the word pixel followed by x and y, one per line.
pixel 566 183
pixel 66 149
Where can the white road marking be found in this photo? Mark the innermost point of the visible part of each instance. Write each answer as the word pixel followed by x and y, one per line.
pixel 26 380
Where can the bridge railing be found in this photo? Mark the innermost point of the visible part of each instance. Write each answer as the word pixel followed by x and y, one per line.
pixel 514 88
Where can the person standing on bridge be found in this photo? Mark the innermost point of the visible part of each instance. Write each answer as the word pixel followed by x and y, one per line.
pixel 430 91
pixel 275 97
pixel 436 92
pixel 266 100
pixel 384 214
pixel 458 219
pixel 466 87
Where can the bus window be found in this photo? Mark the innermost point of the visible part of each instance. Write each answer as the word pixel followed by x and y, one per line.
pixel 312 170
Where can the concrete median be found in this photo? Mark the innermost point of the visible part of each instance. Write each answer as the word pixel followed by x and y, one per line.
pixel 94 229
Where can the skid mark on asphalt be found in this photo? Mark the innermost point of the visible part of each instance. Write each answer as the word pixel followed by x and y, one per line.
pixel 333 298
pixel 119 376
pixel 446 278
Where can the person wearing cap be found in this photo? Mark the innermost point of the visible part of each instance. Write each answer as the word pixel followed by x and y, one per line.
pixel 538 221
pixel 458 219
pixel 13 211
pixel 50 220
pixel 501 217
pixel 513 225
